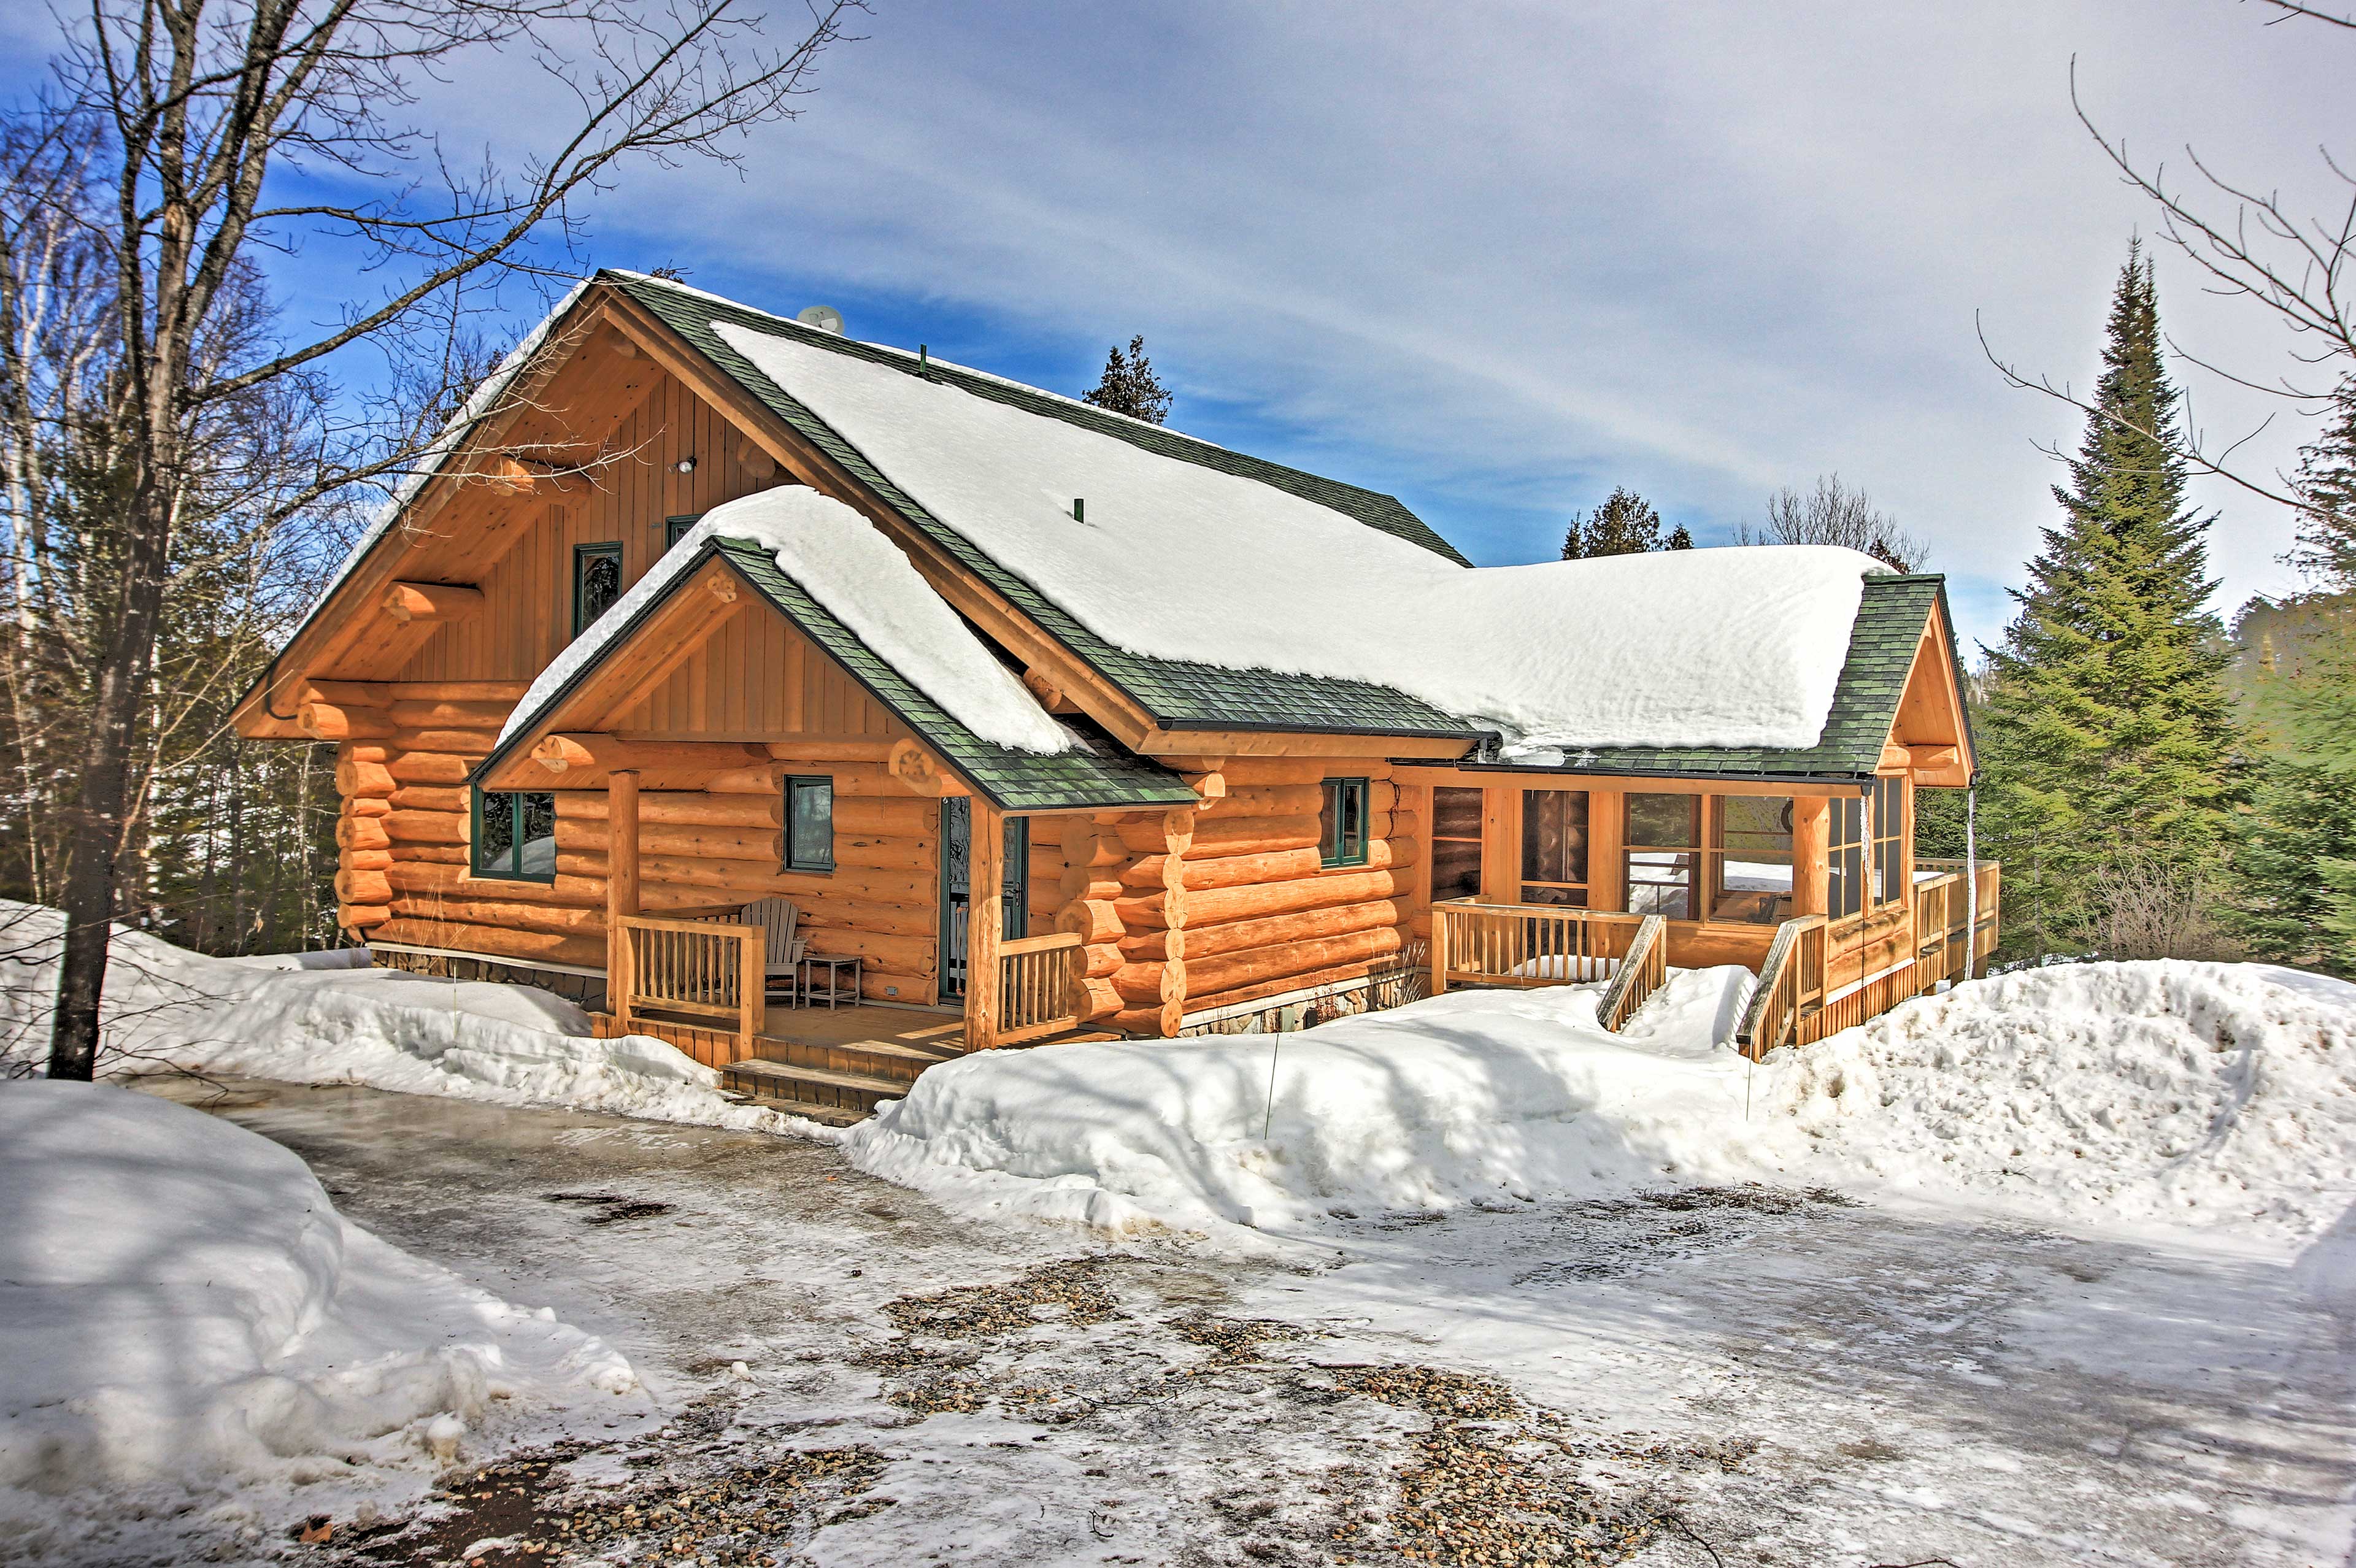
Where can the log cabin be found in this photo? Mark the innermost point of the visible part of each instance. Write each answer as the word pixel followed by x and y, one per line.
pixel 1054 724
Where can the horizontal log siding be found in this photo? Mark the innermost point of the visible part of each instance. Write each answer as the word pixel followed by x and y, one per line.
pixel 1260 915
pixel 404 876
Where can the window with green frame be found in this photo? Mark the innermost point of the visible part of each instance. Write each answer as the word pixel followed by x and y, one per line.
pixel 809 824
pixel 1341 823
pixel 675 528
pixel 597 581
pixel 514 836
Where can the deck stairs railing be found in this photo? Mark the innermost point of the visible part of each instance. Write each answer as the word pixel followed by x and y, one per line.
pixel 1790 987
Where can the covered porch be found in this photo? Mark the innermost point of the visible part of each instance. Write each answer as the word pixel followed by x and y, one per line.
pixel 1817 975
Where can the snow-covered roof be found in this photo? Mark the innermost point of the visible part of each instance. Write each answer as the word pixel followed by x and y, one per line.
pixel 865 583
pixel 860 603
pixel 1178 560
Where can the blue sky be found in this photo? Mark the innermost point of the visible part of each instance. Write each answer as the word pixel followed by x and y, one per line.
pixel 1499 259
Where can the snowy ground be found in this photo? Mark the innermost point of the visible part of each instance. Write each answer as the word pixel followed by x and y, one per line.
pixel 2059 1268
pixel 1791 1379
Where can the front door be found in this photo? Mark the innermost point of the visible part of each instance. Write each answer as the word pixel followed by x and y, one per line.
pixel 957 895
pixel 957 890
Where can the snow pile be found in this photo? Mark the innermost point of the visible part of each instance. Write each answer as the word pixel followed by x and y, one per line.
pixel 2204 1095
pixel 2215 1095
pixel 865 582
pixel 383 1027
pixel 1176 561
pixel 1473 1095
pixel 181 1305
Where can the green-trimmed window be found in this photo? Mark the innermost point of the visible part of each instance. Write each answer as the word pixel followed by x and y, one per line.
pixel 809 824
pixel 1341 823
pixel 514 836
pixel 675 528
pixel 597 581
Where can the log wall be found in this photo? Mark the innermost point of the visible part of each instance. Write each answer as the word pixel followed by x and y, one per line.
pixel 1190 909
pixel 404 874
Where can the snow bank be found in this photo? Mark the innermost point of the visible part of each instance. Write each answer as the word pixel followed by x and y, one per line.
pixel 2208 1095
pixel 1714 647
pixel 182 1307
pixel 512 1044
pixel 2218 1097
pixel 869 585
pixel 1470 1096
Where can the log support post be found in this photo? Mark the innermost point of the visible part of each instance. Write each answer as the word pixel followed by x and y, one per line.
pixel 621 887
pixel 1178 837
pixel 985 919
pixel 1811 854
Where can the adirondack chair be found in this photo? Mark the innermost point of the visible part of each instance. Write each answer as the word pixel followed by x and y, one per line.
pixel 777 917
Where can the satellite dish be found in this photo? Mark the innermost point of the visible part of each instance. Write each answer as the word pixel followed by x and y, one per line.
pixel 824 317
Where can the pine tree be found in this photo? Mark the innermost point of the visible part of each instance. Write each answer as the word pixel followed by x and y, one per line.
pixel 1128 385
pixel 2294 858
pixel 1680 538
pixel 2109 739
pixel 1625 524
pixel 2326 486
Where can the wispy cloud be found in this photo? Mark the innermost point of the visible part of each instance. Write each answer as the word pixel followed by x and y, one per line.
pixel 1500 259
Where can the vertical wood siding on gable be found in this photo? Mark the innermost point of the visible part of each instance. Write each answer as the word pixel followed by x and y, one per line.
pixel 759 679
pixel 526 615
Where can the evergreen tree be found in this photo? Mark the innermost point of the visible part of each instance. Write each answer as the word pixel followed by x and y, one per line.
pixel 1625 524
pixel 1680 538
pixel 2108 740
pixel 2326 487
pixel 2295 861
pixel 1128 385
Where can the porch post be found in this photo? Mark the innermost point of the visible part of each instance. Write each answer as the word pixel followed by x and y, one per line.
pixel 985 918
pixel 1811 854
pixel 621 885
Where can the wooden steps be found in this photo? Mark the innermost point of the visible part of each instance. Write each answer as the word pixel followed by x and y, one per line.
pixel 845 1075
pixel 813 1089
pixel 842 1081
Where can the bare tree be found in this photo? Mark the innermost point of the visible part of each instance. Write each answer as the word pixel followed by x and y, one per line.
pixel 1833 514
pixel 210 108
pixel 2250 245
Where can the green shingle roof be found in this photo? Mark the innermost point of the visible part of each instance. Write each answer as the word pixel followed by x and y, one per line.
pixel 1103 776
pixel 1889 627
pixel 1179 694
pixel 1015 781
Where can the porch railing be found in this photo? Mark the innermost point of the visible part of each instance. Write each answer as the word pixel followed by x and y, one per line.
pixel 691 968
pixel 1943 906
pixel 1524 947
pixel 1038 987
